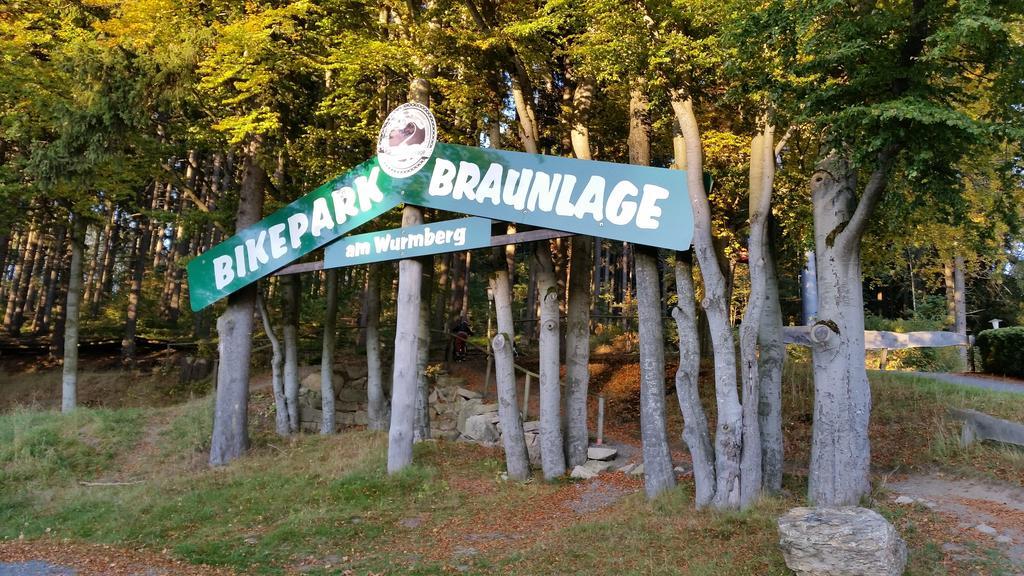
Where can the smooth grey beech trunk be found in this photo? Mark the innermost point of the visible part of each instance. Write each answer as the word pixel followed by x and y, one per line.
pixel 276 369
pixel 290 331
pixel 577 350
pixel 577 321
pixel 728 438
pixel 658 473
pixel 695 421
pixel 230 437
pixel 421 429
pixel 69 372
pixel 552 453
pixel 404 379
pixel 377 403
pixel 840 448
pixel 761 179
pixel 517 460
pixel 771 359
pixel 960 305
pixel 327 425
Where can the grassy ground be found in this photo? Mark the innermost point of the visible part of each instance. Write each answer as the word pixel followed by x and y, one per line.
pixel 325 505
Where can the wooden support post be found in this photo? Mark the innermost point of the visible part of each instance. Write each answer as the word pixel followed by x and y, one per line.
pixel 600 419
pixel 884 360
pixel 487 377
pixel 526 398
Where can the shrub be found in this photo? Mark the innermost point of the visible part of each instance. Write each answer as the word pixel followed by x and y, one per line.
pixel 1002 351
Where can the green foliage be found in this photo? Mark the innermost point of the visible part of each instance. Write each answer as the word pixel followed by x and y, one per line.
pixel 919 359
pixel 43 450
pixel 1002 351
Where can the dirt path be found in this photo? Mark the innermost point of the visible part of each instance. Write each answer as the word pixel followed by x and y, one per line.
pixel 975 381
pixel 54 557
pixel 979 510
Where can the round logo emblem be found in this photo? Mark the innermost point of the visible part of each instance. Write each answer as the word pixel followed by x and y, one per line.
pixel 406 140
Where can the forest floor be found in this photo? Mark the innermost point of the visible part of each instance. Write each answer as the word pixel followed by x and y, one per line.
pixel 123 489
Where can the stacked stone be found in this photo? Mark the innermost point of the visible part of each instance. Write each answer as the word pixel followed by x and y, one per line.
pixel 350 400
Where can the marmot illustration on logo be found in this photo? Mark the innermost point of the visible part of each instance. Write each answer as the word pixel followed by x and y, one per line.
pixel 408 135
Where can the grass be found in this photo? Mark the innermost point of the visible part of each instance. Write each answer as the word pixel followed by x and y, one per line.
pixel 325 504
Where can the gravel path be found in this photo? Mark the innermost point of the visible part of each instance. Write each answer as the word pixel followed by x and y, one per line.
pixel 34 568
pixel 986 383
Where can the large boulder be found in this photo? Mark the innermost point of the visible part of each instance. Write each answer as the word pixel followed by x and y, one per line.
pixel 840 541
pixel 480 428
pixel 468 410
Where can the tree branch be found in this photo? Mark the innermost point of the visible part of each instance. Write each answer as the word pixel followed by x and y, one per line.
pixel 873 191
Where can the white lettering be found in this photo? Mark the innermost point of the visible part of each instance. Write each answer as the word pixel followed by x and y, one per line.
pixel 591 200
pixel 344 204
pixel 465 184
pixel 298 224
pixel 277 241
pixel 380 243
pixel 460 236
pixel 513 195
pixel 564 205
pixel 490 185
pixel 443 179
pixel 368 190
pixel 544 189
pixel 649 213
pixel 240 260
pixel 257 251
pixel 222 274
pixel 620 211
pixel 321 217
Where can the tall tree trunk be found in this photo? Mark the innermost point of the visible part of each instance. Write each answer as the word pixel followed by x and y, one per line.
pixel 840 447
pixel 530 312
pixel 69 372
pixel 771 358
pixel 457 292
pixel 421 428
pixel 960 305
pixel 52 284
pixel 140 255
pixel 728 439
pixel 517 459
pixel 762 176
pixel 290 330
pixel 551 444
pixel 276 368
pixel 577 330
pixel 19 283
pixel 106 276
pixel 377 407
pixel 405 378
pixel 54 261
pixel 695 422
pixel 327 425
pixel 658 474
pixel 522 97
pixel 234 328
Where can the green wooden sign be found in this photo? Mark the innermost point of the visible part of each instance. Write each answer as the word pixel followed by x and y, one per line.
pixel 320 217
pixel 636 204
pixel 409 242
